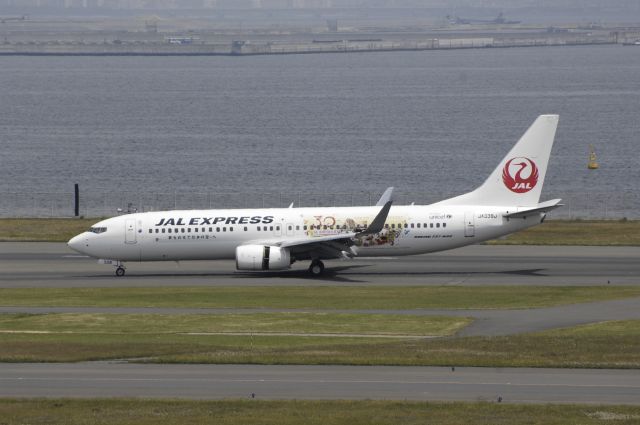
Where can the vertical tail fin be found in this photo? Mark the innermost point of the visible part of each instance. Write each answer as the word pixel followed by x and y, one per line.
pixel 518 179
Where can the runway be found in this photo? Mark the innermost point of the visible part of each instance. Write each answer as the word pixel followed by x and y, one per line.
pixel 320 382
pixel 55 265
pixel 35 265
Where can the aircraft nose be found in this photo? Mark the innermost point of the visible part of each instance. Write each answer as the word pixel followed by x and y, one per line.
pixel 76 243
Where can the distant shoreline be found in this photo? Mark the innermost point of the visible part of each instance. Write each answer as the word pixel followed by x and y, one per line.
pixel 263 49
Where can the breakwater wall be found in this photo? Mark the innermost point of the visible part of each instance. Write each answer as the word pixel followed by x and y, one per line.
pixel 247 48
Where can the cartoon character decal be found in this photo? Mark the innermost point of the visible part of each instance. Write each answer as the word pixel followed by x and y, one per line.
pixel 331 225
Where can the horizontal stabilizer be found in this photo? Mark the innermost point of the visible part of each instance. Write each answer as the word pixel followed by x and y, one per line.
pixel 541 208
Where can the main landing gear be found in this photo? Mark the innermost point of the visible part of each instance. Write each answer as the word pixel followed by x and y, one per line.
pixel 316 268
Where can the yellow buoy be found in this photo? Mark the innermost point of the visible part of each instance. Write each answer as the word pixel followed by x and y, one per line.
pixel 593 163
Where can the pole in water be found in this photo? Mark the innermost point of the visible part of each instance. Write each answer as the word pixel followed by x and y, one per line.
pixel 77 200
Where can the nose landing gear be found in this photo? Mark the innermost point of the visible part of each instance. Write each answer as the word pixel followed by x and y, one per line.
pixel 120 270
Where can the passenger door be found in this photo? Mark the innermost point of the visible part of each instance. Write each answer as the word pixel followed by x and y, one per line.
pixel 469 224
pixel 130 231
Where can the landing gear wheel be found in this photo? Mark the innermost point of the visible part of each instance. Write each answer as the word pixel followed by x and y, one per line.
pixel 120 271
pixel 316 268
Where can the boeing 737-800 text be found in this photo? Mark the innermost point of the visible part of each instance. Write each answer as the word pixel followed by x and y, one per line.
pixel 273 239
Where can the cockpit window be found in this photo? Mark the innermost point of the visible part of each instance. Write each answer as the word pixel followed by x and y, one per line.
pixel 98 230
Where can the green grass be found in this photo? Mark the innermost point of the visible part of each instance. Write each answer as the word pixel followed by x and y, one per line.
pixel 318 297
pixel 78 337
pixel 552 232
pixel 231 412
pixel 43 229
pixel 296 323
pixel 577 232
pixel 602 345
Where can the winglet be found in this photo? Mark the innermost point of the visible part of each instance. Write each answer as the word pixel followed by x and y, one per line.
pixel 386 197
pixel 377 224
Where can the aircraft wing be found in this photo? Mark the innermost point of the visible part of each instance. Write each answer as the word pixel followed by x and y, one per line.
pixel 340 237
pixel 331 246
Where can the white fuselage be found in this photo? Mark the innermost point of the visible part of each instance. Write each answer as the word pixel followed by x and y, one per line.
pixel 215 234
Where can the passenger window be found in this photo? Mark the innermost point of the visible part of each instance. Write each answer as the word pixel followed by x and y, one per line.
pixel 431 225
pixel 406 225
pixel 231 229
pixel 297 227
pixel 444 224
pixel 277 227
pixel 304 227
pixel 290 227
pixel 386 226
pixel 412 225
pixel 245 228
pixel 438 225
pixel 418 225
pixel 195 230
pixel 393 225
pixel 189 230
pixel 182 230
pixel 150 230
pixel 224 229
pixel 210 229
pixel 271 228
pixel 157 231
pixel 217 229
pixel 169 230
pixel 204 230
pixel 162 230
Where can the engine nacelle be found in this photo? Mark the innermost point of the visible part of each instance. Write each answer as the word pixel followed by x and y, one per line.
pixel 260 257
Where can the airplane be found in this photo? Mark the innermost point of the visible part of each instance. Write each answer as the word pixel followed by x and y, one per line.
pixel 275 238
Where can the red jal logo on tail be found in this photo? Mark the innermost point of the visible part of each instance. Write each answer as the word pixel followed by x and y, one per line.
pixel 512 175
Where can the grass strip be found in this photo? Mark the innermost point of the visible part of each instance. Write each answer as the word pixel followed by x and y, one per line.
pixel 295 323
pixel 318 297
pixel 602 345
pixel 577 232
pixel 552 232
pixel 230 412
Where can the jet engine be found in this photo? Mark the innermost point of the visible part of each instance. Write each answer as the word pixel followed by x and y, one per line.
pixel 260 257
